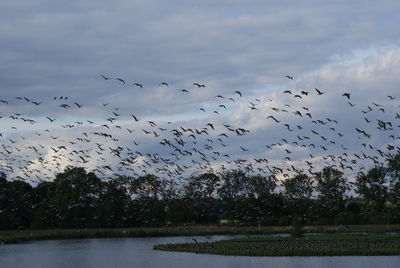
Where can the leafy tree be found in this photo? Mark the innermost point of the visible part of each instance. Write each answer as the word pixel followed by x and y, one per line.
pixel 235 187
pixel 148 186
pixel 147 207
pixel 202 186
pixel 393 204
pixel 373 188
pixel 298 192
pixel 299 187
pixel 43 216
pixel 16 204
pixel 257 207
pixel 234 183
pixel 114 204
pixel 331 187
pixel 199 194
pixel 76 199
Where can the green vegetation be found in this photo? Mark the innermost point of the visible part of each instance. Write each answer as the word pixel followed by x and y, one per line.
pixel 324 245
pixel 15 236
pixel 77 199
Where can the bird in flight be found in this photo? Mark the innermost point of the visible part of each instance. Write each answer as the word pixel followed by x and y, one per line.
pixel 164 84
pixel 134 117
pixel 289 77
pixel 276 120
pixel 64 105
pixel 121 80
pixel 239 93
pixel 198 85
pixel 347 95
pixel 244 149
pixel 138 85
pixel 319 91
pixel 50 119
pixel 105 78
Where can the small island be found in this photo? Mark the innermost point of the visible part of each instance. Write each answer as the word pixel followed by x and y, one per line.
pixel 312 245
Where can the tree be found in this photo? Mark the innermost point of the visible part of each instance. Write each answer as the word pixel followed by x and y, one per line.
pixel 373 188
pixel 393 204
pixel 202 186
pixel 331 187
pixel 298 192
pixel 200 195
pixel 114 204
pixel 393 171
pixel 235 188
pixel 147 207
pixel 16 204
pixel 43 216
pixel 299 187
pixel 234 183
pixel 75 201
pixel 258 206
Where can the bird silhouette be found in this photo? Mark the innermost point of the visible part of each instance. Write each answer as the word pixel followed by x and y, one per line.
pixel 138 85
pixel 198 85
pixel 319 92
pixel 104 77
pixel 347 95
pixel 135 118
pixel 239 93
pixel 121 80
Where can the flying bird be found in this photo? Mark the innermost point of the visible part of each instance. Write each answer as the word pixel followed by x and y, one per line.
pixel 304 92
pixel 50 119
pixel 134 117
pixel 347 95
pixel 198 85
pixel 121 80
pixel 276 120
pixel 104 77
pixel 319 92
pixel 239 93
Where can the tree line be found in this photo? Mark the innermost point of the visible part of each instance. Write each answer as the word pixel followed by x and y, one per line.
pixel 80 199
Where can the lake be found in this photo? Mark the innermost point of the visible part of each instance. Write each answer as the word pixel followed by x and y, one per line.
pixel 138 252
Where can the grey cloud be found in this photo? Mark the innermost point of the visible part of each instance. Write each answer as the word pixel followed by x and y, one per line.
pixel 60 49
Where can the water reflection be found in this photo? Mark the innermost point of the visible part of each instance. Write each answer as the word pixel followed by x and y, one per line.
pixel 138 252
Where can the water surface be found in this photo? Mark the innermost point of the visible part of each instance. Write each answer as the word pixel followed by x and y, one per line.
pixel 138 252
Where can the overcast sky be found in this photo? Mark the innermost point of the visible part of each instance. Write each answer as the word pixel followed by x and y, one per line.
pixel 61 48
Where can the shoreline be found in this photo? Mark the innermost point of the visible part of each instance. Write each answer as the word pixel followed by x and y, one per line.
pixel 316 245
pixel 17 236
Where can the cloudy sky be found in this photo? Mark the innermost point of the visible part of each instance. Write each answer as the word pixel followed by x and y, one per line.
pixel 51 49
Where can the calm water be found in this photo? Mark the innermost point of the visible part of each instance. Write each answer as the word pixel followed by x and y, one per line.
pixel 138 252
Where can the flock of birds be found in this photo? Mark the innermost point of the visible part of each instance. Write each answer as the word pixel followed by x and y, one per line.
pixel 35 147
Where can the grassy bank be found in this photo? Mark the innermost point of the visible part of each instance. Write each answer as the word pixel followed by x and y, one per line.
pixel 26 235
pixel 319 245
